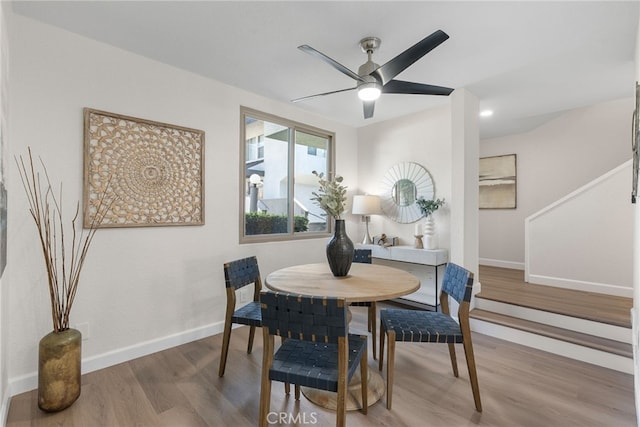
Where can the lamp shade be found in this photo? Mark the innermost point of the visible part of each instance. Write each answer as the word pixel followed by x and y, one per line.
pixel 366 205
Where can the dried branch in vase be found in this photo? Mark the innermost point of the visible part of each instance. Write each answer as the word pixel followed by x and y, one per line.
pixel 63 257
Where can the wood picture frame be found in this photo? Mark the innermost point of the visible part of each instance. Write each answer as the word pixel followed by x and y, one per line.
pixel 152 173
pixel 498 182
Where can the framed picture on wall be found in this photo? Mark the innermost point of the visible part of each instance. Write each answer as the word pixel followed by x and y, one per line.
pixel 498 182
pixel 635 150
pixel 3 203
pixel 151 172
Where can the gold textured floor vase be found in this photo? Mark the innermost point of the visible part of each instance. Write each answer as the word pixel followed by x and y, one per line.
pixel 59 376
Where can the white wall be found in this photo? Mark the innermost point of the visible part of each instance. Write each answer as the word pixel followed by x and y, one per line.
pixel 635 311
pixel 141 289
pixel 593 253
pixel 464 181
pixel 423 138
pixel 552 161
pixel 4 289
pixel 445 141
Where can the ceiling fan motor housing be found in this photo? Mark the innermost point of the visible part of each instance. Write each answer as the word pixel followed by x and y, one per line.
pixel 368 46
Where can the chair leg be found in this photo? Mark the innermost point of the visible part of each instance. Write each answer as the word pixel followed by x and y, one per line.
pixel 297 391
pixel 341 406
pixel 382 336
pixel 341 401
pixel 287 387
pixel 265 383
pixel 364 378
pixel 225 347
pixel 471 366
pixel 252 333
pixel 265 400
pixel 391 355
pixel 454 361
pixel 372 321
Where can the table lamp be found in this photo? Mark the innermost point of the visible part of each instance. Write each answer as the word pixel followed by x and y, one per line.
pixel 365 206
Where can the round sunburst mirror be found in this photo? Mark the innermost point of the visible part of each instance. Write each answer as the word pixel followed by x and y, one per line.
pixel 402 185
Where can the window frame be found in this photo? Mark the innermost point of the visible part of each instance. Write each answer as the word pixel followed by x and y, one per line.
pixel 293 126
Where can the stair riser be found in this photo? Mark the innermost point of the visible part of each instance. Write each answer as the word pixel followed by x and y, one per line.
pixel 612 332
pixel 562 348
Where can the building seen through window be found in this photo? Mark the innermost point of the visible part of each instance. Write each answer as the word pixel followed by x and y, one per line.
pixel 279 158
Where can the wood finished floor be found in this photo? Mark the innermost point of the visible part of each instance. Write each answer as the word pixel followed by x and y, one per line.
pixel 507 285
pixel 180 387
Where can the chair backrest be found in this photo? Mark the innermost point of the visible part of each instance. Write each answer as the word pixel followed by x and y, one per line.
pixel 457 282
pixel 362 256
pixel 242 272
pixel 307 318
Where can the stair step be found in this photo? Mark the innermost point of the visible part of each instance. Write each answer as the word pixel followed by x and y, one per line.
pixel 508 286
pixel 594 342
pixel 576 324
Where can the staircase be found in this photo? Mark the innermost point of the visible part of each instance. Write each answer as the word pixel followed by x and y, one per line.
pixel 586 326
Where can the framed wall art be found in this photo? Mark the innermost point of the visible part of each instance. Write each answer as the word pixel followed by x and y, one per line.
pixel 498 182
pixel 635 150
pixel 152 173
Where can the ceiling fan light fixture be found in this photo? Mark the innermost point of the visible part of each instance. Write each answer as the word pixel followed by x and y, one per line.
pixel 373 79
pixel 369 91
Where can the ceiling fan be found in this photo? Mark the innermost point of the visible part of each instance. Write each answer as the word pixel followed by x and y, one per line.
pixel 373 79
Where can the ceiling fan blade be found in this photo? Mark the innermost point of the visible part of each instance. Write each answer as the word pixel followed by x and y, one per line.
pixel 344 70
pixel 401 62
pixel 321 94
pixel 368 108
pixel 400 86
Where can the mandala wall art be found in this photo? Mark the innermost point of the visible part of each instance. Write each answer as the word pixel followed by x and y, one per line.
pixel 152 173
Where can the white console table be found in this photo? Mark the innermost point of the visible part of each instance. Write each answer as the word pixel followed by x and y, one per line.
pixel 422 263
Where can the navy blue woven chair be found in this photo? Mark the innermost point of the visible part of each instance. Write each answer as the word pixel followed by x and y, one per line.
pixel 318 351
pixel 433 326
pixel 237 275
pixel 364 256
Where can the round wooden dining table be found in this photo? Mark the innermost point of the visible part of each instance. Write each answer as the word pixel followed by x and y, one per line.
pixel 365 282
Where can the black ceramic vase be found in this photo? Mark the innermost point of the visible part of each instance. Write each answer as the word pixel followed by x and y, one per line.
pixel 340 250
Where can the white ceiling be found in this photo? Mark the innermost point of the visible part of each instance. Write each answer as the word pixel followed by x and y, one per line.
pixel 527 61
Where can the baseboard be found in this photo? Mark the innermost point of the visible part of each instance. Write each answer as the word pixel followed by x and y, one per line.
pixel 579 285
pixel 502 264
pixel 636 368
pixel 29 382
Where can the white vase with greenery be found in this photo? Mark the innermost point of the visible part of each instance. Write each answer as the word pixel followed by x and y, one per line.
pixel 428 207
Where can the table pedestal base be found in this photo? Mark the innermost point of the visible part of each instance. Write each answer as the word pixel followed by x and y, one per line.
pixel 327 399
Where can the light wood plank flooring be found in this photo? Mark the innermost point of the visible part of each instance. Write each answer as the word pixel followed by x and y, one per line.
pixel 507 285
pixel 180 387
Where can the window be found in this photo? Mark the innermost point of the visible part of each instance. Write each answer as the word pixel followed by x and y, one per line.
pixel 315 151
pixel 277 181
pixel 255 148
